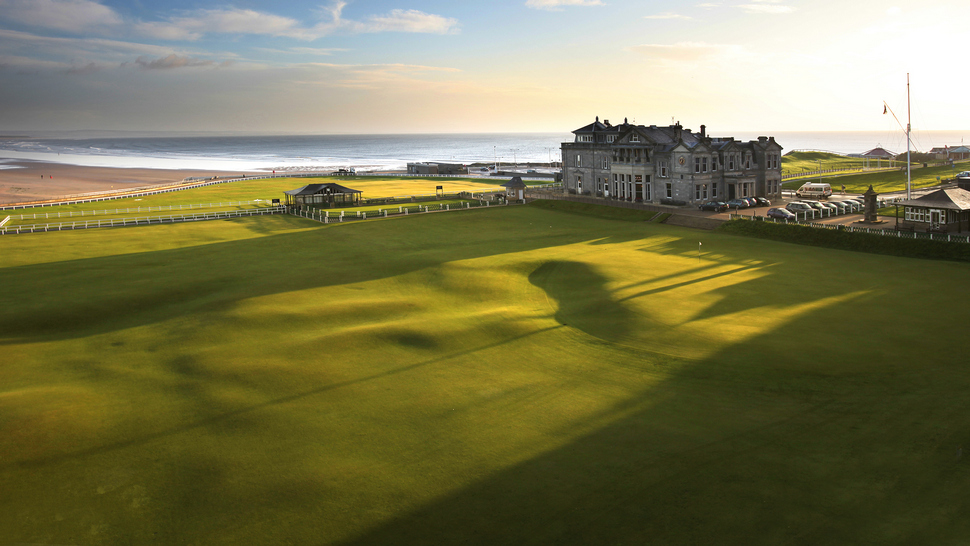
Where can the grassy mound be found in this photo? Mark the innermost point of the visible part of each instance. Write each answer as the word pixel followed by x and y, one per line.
pixel 501 376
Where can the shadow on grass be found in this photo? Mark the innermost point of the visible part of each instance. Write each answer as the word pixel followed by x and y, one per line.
pixel 576 308
pixel 734 449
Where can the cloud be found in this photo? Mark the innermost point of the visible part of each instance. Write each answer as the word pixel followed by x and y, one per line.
pixel 75 16
pixel 195 24
pixel 667 15
pixel 554 5
pixel 219 21
pixel 766 6
pixel 411 21
pixel 175 61
pixel 686 51
pixel 304 50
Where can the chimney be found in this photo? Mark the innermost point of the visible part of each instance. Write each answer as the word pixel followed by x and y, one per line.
pixel 677 131
pixel 703 131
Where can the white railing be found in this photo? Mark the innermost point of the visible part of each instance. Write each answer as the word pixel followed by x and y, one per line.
pixel 139 221
pixel 333 217
pixel 82 213
pixel 902 234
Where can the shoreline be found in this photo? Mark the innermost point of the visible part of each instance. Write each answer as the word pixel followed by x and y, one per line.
pixel 41 180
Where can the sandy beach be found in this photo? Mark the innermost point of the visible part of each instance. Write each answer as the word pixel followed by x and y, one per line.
pixel 38 180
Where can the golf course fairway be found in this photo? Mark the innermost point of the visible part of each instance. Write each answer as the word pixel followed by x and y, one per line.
pixel 510 375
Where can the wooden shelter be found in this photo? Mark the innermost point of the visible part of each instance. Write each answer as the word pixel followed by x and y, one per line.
pixel 515 188
pixel 326 195
pixel 945 210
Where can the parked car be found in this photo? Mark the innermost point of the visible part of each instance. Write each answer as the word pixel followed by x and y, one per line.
pixel 762 202
pixel 751 201
pixel 780 213
pixel 965 175
pixel 814 204
pixel 716 206
pixel 797 207
pixel 830 207
pixel 839 205
pixel 738 204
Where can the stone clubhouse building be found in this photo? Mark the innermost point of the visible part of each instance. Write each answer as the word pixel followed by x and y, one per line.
pixel 668 164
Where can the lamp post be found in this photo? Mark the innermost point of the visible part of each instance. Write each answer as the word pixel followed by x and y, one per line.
pixel 819 170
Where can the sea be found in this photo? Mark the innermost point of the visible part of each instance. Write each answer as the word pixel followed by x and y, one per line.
pixel 283 153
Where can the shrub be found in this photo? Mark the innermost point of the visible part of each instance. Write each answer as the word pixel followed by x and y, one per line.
pixel 855 241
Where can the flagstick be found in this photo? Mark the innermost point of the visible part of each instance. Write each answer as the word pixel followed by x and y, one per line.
pixel 698 252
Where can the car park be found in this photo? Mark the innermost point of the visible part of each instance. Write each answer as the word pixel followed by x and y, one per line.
pixel 716 206
pixel 738 204
pixel 780 213
pixel 762 202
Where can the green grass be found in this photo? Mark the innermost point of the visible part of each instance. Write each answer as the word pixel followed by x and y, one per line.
pixel 498 376
pixel 884 181
pixel 805 162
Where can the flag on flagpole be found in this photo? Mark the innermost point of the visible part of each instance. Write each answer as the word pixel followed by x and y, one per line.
pixel 884 110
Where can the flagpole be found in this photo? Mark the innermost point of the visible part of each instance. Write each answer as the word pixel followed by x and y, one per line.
pixel 909 129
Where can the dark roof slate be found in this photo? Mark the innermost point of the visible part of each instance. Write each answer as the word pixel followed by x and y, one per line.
pixel 949 198
pixel 311 189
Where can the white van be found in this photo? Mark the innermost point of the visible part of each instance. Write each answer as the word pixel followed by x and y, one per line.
pixel 814 189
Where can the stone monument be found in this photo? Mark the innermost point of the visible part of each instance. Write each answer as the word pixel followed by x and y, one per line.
pixel 871 208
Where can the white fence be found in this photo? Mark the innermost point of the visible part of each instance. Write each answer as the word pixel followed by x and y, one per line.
pixel 141 221
pixel 948 237
pixel 334 217
pixel 82 213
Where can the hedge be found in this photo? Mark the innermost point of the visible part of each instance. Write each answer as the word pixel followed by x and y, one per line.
pixel 845 240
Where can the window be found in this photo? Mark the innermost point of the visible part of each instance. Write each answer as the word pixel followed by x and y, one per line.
pixel 713 190
pixel 579 160
pixel 634 138
pixel 615 177
pixel 606 163
pixel 697 164
pixel 579 184
pixel 638 179
pixel 704 164
pixel 585 138
pixel 730 162
pixel 700 191
pixel 747 161
pixel 714 163
pixel 662 167
pixel 670 190
pixel 610 138
pixel 646 192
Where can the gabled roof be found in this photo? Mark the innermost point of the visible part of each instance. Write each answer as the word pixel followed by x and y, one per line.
pixel 960 150
pixel 329 188
pixel 949 198
pixel 878 152
pixel 514 184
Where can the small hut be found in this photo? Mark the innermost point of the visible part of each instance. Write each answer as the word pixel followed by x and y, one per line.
pixel 515 188
pixel 945 210
pixel 323 195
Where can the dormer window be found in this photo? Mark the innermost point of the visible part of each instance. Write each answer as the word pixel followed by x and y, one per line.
pixel 585 138
pixel 634 138
pixel 610 138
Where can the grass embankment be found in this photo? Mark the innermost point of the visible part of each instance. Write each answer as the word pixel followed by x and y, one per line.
pixel 794 163
pixel 501 376
pixel 884 181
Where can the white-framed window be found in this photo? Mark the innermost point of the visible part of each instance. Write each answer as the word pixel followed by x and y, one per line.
pixel 704 164
pixel 646 192
pixel 747 161
pixel 610 138
pixel 615 177
pixel 700 191
pixel 634 138
pixel 697 164
pixel 714 163
pixel 579 160
pixel 579 184
pixel 638 178
pixel 606 163
pixel 585 138
pixel 670 190
pixel 730 162
pixel 713 191
pixel 662 167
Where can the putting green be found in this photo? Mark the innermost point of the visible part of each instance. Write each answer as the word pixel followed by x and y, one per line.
pixel 493 376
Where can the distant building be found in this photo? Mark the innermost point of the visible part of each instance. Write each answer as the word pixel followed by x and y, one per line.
pixel 955 153
pixel 515 188
pixel 651 164
pixel 437 168
pixel 879 153
pixel 328 195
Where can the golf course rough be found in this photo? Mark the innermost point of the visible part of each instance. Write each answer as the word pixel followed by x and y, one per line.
pixel 498 376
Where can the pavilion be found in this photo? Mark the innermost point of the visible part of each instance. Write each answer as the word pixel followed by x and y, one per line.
pixel 943 210
pixel 515 188
pixel 328 195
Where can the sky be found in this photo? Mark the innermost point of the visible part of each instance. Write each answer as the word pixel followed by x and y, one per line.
pixel 469 66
